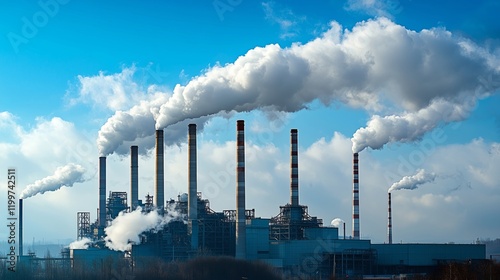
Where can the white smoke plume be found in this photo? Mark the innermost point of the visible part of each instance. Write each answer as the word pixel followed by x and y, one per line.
pixel 408 127
pixel 414 181
pixel 376 64
pixel 126 229
pixel 337 222
pixel 66 175
pixel 80 244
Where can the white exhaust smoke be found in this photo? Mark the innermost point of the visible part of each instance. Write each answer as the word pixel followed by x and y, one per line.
pixel 375 65
pixel 414 181
pixel 337 222
pixel 126 229
pixel 80 244
pixel 66 175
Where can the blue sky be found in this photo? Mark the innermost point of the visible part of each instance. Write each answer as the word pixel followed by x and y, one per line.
pixel 67 67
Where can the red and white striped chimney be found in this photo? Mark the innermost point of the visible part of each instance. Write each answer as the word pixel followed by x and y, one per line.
pixel 294 168
pixel 389 223
pixel 355 196
pixel 159 183
pixel 192 187
pixel 240 191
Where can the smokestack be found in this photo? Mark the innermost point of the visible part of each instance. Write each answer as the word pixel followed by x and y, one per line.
pixel 20 227
pixel 134 177
pixel 159 187
pixel 102 195
pixel 355 196
pixel 389 223
pixel 294 169
pixel 240 191
pixel 192 188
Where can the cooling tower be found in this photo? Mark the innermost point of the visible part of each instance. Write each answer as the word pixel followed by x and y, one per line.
pixel 159 183
pixel 355 196
pixel 134 177
pixel 192 187
pixel 240 191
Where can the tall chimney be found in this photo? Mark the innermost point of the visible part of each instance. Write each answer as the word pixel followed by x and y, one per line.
pixel 240 191
pixel 159 184
pixel 389 223
pixel 134 177
pixel 102 196
pixel 294 169
pixel 192 187
pixel 20 227
pixel 355 196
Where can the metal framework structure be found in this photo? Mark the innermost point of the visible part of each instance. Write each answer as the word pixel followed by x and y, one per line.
pixel 83 225
pixel 117 202
pixel 349 263
pixel 285 226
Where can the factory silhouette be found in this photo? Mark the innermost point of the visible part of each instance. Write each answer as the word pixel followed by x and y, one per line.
pixel 294 243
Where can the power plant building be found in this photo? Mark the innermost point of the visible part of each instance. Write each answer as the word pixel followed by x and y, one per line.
pixel 295 242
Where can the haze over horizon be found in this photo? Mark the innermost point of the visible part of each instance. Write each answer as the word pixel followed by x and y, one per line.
pixel 410 85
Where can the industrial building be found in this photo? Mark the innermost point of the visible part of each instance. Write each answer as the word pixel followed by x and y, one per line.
pixel 293 241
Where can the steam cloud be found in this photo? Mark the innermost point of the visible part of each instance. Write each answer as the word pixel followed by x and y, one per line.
pixel 414 181
pixel 337 222
pixel 127 227
pixel 377 63
pixel 80 244
pixel 63 176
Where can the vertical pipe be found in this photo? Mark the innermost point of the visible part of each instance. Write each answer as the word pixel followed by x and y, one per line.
pixel 192 187
pixel 355 195
pixel 344 230
pixel 389 223
pixel 134 177
pixel 20 227
pixel 240 191
pixel 159 183
pixel 102 195
pixel 294 169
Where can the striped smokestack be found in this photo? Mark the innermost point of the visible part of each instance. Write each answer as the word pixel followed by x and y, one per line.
pixel 294 169
pixel 355 196
pixel 134 177
pixel 192 187
pixel 159 183
pixel 240 191
pixel 20 227
pixel 389 223
pixel 102 196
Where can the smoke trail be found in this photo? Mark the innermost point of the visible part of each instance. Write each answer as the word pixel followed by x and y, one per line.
pixel 377 63
pixel 125 229
pixel 80 244
pixel 63 176
pixel 408 127
pixel 337 222
pixel 414 181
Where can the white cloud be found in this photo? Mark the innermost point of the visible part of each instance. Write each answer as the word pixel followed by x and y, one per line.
pixel 285 18
pixel 115 92
pixel 382 8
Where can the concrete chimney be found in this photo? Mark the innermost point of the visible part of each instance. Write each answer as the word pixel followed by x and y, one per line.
pixel 20 227
pixel 192 187
pixel 240 191
pixel 294 169
pixel 134 177
pixel 355 196
pixel 159 183
pixel 102 196
pixel 389 223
